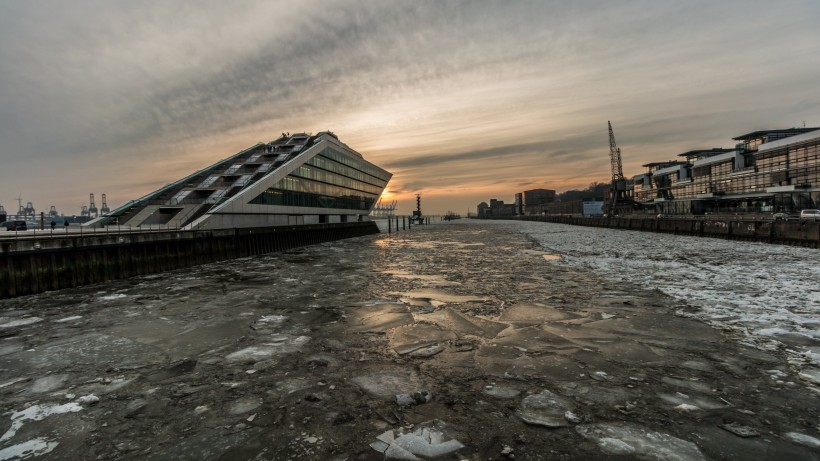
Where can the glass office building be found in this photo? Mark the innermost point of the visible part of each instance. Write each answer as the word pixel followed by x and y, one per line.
pixel 766 171
pixel 295 179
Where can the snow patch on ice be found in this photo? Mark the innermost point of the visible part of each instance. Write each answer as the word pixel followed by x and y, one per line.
pixel 112 297
pixel 686 407
pixel 37 413
pixel 273 319
pixel 21 322
pixel 69 319
pixel 763 292
pixel 28 449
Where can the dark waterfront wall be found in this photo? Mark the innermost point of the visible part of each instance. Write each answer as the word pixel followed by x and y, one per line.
pixel 789 233
pixel 35 265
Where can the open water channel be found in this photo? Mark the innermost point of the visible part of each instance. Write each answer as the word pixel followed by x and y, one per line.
pixel 457 341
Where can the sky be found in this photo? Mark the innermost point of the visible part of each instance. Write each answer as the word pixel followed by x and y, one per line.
pixel 462 101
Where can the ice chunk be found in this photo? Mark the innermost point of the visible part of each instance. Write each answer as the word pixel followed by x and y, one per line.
pixel 429 440
pixel 427 352
pixel 502 392
pixel 700 402
pixel 545 409
pixel 740 430
pixel 267 350
pixel 244 405
pixel 811 375
pixel 599 376
pixel 803 439
pixel 69 319
pixel 396 452
pixel 273 319
pixel 686 407
pixel 48 383
pixel 572 417
pixel 201 409
pixel 89 399
pixel 384 383
pixel 386 437
pixel 615 446
pixel 379 446
pixel 405 400
pixel 418 445
pixel 112 297
pixel 618 438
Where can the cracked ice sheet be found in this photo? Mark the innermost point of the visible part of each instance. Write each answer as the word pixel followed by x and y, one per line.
pixel 766 292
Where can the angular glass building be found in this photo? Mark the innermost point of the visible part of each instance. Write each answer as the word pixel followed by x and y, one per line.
pixel 295 179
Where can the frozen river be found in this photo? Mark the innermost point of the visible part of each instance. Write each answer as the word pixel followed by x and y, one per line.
pixel 468 340
pixel 769 294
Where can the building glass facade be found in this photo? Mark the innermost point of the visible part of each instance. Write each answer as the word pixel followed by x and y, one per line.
pixel 331 179
pixel 750 178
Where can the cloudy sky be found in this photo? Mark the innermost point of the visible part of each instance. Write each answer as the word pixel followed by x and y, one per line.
pixel 462 100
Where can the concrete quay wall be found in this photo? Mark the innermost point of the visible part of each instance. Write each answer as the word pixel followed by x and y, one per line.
pixel 784 232
pixel 35 265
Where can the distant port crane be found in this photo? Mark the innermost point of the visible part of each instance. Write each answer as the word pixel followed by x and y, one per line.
pixel 382 210
pixel 618 193
pixel 92 208
pixel 104 209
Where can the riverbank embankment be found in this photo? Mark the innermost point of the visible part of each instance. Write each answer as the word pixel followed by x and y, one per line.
pixel 54 261
pixel 798 233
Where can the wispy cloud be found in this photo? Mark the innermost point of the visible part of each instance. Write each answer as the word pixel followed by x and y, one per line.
pixel 453 96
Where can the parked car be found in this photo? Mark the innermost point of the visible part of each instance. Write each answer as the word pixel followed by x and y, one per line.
pixel 810 215
pixel 784 217
pixel 14 225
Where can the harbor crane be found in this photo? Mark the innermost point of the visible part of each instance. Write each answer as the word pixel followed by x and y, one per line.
pixel 92 207
pixel 104 209
pixel 618 192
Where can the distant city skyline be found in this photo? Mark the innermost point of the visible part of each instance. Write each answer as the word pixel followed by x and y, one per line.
pixel 462 101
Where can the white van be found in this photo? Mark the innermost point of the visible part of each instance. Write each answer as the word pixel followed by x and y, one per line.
pixel 810 215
